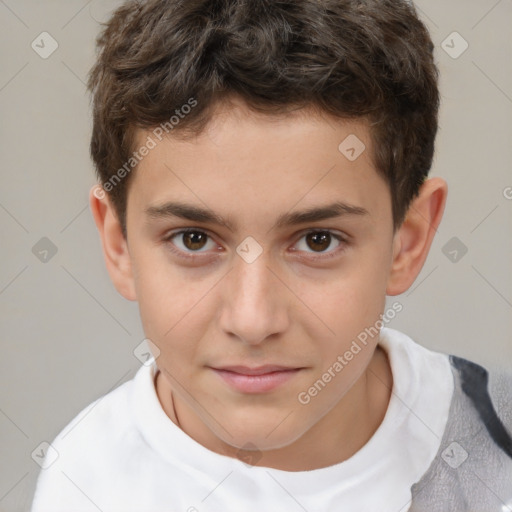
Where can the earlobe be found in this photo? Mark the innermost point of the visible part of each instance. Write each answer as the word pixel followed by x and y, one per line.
pixel 413 239
pixel 114 245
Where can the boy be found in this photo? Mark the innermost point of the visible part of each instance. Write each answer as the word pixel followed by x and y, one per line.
pixel 263 169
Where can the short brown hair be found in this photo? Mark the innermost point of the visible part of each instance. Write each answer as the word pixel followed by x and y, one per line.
pixel 369 59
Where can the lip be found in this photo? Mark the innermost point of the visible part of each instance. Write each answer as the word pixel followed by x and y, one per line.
pixel 259 379
pixel 256 370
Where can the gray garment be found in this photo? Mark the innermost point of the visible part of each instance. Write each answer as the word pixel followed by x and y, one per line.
pixel 472 471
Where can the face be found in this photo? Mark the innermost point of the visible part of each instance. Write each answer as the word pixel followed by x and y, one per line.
pixel 285 267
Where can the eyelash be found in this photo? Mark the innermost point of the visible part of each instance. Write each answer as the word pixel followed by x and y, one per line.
pixel 323 256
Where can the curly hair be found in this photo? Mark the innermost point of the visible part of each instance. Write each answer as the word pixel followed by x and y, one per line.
pixel 370 59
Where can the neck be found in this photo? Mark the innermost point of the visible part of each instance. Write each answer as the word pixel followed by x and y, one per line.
pixel 336 437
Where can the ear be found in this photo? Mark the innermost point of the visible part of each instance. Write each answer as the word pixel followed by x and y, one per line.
pixel 115 247
pixel 413 239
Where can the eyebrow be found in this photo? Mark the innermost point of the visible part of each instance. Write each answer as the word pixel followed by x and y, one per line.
pixel 198 214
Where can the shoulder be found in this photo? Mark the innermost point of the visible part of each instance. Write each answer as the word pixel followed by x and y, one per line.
pixel 89 450
pixel 500 390
pixel 474 461
pixel 105 414
pixel 490 393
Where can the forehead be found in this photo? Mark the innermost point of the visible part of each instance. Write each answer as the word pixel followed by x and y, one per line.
pixel 253 162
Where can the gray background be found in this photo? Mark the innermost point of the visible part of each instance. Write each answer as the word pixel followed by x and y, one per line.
pixel 67 336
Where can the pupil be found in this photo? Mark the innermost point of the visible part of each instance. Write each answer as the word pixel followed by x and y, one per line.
pixel 322 238
pixel 193 240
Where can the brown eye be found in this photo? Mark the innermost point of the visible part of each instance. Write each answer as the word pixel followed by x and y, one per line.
pixel 319 241
pixel 194 240
pixel 318 244
pixel 190 241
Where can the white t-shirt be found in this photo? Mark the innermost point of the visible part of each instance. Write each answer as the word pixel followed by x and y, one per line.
pixel 122 453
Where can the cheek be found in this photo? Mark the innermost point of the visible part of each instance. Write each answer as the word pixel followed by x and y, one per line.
pixel 172 312
pixel 157 311
pixel 162 292
pixel 351 302
pixel 347 309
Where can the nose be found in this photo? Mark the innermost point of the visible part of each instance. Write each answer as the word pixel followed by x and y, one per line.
pixel 255 302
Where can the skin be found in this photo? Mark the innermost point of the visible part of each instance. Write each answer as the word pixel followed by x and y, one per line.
pixel 285 307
